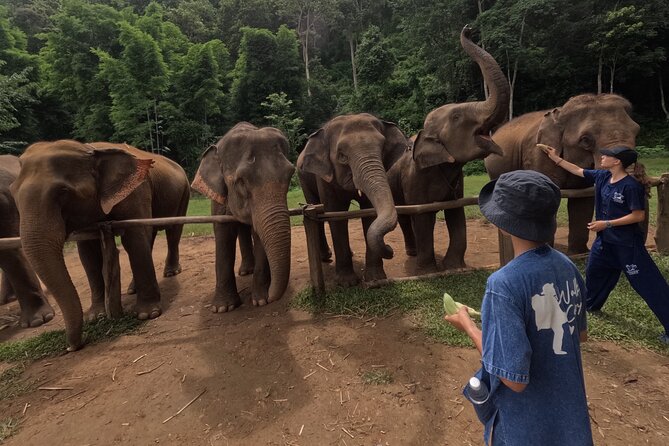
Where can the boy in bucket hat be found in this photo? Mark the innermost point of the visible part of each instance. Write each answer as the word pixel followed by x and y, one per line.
pixel 532 322
pixel 620 242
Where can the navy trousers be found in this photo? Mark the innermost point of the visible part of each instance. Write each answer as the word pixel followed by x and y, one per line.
pixel 607 261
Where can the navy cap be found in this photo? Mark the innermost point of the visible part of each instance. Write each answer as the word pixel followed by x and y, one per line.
pixel 626 155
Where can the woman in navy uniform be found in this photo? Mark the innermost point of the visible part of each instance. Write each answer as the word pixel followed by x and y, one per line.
pixel 619 246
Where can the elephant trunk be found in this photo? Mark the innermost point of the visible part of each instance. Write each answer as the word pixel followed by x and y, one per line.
pixel 493 110
pixel 272 224
pixel 43 239
pixel 370 177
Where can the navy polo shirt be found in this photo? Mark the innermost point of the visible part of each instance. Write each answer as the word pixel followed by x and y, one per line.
pixel 615 200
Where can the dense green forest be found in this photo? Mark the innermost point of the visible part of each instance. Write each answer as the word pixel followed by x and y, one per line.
pixel 171 76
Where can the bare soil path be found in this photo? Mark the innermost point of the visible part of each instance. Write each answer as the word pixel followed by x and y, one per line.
pixel 280 376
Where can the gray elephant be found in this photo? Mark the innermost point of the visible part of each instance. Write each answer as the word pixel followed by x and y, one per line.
pixel 18 277
pixel 451 136
pixel 66 186
pixel 347 160
pixel 247 175
pixel 578 130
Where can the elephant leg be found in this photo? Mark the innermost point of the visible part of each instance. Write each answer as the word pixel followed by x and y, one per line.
pixel 373 262
pixel 261 274
pixel 20 277
pixel 137 242
pixel 246 240
pixel 580 214
pixel 423 229
pixel 6 291
pixel 326 252
pixel 346 276
pixel 407 232
pixel 172 265
pixel 132 289
pixel 226 297
pixel 456 223
pixel 90 254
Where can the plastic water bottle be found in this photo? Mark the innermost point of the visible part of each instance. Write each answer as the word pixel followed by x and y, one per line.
pixel 477 393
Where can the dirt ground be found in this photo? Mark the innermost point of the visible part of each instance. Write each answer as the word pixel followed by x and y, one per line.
pixel 279 376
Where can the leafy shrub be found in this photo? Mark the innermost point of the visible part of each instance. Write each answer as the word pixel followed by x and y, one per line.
pixel 475 167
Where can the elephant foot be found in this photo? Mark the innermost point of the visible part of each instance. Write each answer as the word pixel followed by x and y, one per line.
pixel 427 267
pixel 170 271
pixel 131 287
pixel 38 316
pixel 260 298
pixel 96 311
pixel 225 304
pixel 245 270
pixel 453 263
pixel 347 279
pixel 374 273
pixel 411 251
pixel 147 310
pixel 326 255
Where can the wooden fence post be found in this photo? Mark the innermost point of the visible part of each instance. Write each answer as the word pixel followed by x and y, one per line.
pixel 111 271
pixel 662 229
pixel 505 248
pixel 310 220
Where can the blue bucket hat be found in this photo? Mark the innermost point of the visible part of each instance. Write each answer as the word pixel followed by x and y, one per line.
pixel 626 155
pixel 523 203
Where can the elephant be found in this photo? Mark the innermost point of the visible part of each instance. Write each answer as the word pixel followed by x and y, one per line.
pixel 67 185
pixel 346 160
pixel 18 277
pixel 247 175
pixel 452 135
pixel 578 130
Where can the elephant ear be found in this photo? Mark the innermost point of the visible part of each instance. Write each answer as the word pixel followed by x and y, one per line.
pixel 550 130
pixel 395 146
pixel 316 156
pixel 429 151
pixel 118 174
pixel 209 179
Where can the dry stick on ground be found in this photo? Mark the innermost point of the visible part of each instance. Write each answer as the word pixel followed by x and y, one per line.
pixel 150 370
pixel 25 408
pixel 114 374
pixel 184 408
pixel 137 359
pixel 55 388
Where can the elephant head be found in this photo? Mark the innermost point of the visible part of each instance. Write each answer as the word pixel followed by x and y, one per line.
pixel 248 171
pixel 585 124
pixel 458 133
pixel 64 186
pixel 354 152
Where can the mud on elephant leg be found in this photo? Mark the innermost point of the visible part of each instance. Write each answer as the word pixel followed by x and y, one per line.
pixel 373 262
pixel 423 225
pixel 226 297
pixel 457 238
pixel 580 214
pixel 173 236
pixel 245 239
pixel 137 242
pixel 346 276
pixel 90 255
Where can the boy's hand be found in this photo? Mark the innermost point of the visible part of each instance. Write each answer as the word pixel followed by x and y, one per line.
pixel 460 320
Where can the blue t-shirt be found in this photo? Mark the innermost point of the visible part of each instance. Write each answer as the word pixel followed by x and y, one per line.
pixel 615 200
pixel 532 314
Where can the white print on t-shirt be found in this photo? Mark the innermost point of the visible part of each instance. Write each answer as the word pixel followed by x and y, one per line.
pixel 618 197
pixel 632 269
pixel 549 314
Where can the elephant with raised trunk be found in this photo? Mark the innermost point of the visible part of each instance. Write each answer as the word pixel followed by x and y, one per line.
pixel 66 186
pixel 347 160
pixel 452 135
pixel 247 175
pixel 577 130
pixel 18 278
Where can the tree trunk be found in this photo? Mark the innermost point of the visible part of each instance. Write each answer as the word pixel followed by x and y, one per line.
pixel 354 69
pixel 305 53
pixel 662 101
pixel 599 74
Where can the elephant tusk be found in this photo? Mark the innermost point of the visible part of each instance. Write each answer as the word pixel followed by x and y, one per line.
pixel 359 193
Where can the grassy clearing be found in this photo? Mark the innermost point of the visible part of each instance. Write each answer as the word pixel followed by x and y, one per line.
pixel 52 343
pixel 626 318
pixel 8 427
pixel 13 384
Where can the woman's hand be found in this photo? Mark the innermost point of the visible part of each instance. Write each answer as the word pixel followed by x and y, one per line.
pixel 597 225
pixel 551 152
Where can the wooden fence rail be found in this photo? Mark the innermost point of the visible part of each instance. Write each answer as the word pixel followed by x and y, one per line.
pixel 313 216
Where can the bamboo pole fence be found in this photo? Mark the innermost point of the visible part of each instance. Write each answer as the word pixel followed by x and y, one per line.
pixel 313 216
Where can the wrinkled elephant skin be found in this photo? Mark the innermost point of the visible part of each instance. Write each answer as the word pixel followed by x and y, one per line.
pixel 247 175
pixel 66 186
pixel 578 130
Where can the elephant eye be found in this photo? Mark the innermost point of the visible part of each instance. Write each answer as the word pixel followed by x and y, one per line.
pixel 586 141
pixel 342 158
pixel 455 117
pixel 252 160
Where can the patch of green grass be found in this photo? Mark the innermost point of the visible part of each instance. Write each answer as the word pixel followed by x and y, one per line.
pixel 8 427
pixel 52 343
pixel 377 377
pixel 626 317
pixel 12 383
